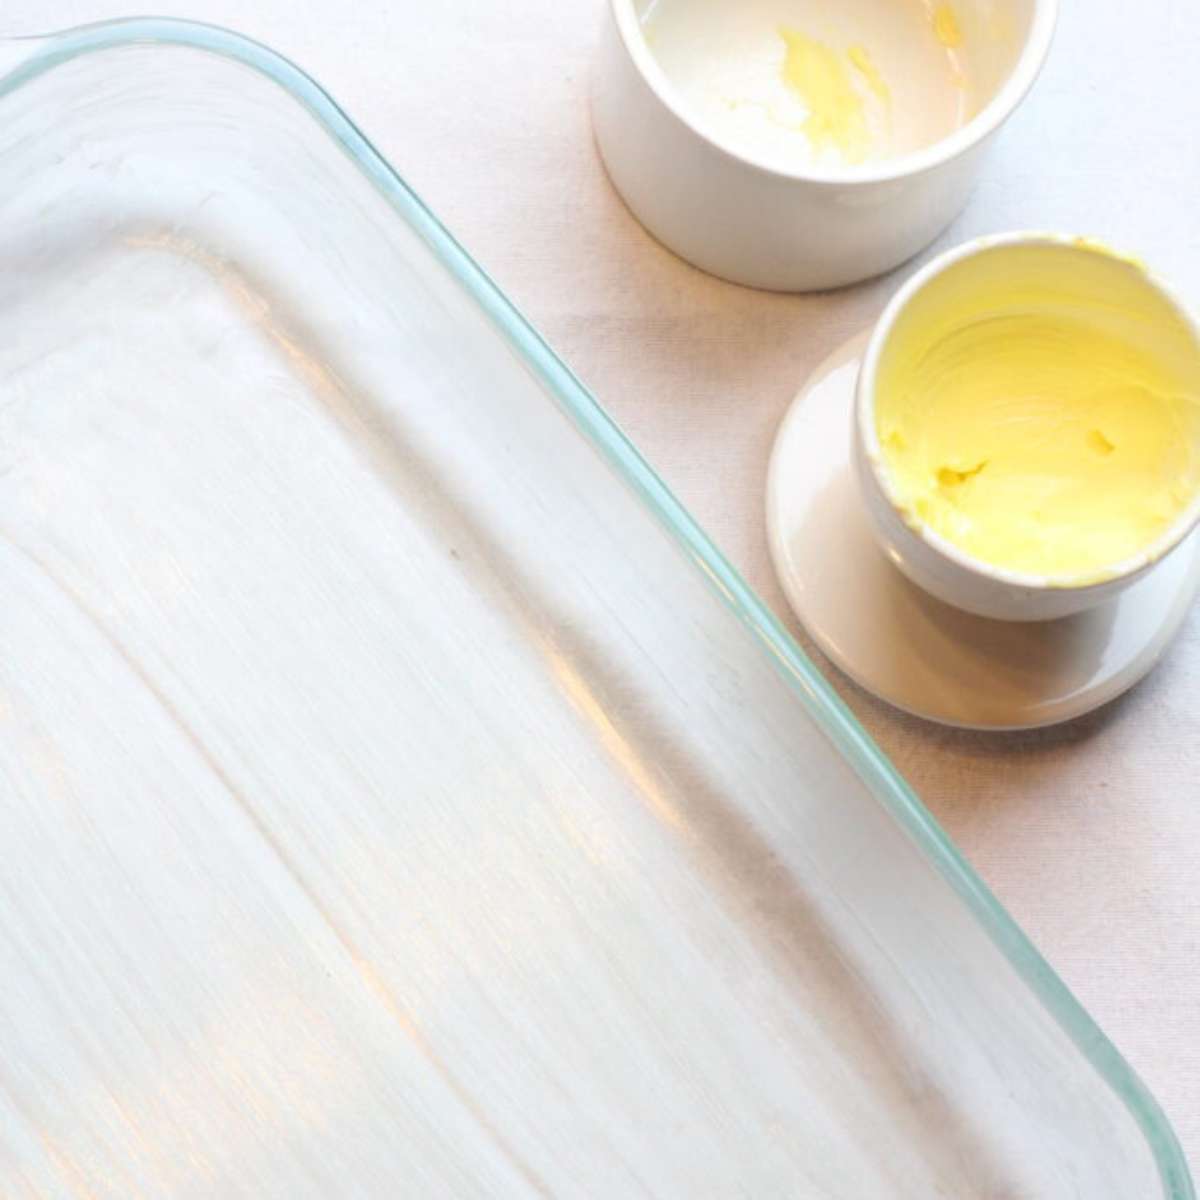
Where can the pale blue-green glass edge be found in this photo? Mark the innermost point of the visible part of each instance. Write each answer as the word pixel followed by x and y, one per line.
pixel 37 54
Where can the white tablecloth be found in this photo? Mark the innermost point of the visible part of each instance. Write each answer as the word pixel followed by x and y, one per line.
pixel 1089 833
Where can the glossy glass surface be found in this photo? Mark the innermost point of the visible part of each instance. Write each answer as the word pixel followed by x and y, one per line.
pixel 399 794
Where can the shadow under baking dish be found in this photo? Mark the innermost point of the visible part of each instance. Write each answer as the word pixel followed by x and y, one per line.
pixel 398 788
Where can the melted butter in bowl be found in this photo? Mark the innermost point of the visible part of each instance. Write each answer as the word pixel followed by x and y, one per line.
pixel 1038 407
pixel 828 83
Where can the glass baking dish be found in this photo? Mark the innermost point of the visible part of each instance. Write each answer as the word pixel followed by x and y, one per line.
pixel 399 794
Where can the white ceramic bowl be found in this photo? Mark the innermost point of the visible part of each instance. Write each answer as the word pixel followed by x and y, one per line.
pixel 928 559
pixel 742 216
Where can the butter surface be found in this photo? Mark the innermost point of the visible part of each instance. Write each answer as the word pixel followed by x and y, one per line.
pixel 946 27
pixel 825 80
pixel 1040 432
pixel 810 82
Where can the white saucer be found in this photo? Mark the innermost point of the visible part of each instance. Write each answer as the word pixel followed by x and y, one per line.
pixel 912 650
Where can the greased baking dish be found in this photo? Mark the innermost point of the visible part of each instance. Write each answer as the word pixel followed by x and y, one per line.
pixel 399 794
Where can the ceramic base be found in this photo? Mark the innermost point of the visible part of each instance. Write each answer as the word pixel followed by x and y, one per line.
pixel 913 651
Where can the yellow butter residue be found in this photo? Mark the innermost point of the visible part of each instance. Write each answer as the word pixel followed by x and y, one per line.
pixel 946 27
pixel 1043 441
pixel 822 78
pixel 861 61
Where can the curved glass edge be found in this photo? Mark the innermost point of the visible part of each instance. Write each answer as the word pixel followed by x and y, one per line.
pixel 24 58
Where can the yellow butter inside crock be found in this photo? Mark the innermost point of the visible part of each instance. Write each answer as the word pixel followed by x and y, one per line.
pixel 1038 406
pixel 829 84
pixel 825 81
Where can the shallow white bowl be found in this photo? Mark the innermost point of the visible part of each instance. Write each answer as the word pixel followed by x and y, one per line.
pixel 927 558
pixel 743 216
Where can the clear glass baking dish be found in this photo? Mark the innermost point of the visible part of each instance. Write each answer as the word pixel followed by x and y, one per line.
pixel 399 794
